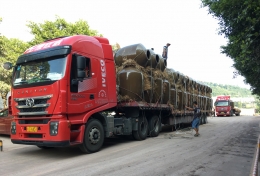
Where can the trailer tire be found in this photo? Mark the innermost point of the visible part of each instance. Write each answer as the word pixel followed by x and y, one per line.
pixel 154 126
pixel 142 130
pixel 238 114
pixel 203 119
pixel 93 137
pixel 206 119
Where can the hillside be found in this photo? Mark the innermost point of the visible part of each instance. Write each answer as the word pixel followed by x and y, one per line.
pixel 234 91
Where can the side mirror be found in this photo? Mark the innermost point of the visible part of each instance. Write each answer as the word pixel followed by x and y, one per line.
pixel 81 74
pixel 81 66
pixel 8 65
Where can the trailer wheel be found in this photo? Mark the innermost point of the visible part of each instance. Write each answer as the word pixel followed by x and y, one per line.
pixel 231 113
pixel 93 137
pixel 238 114
pixel 142 130
pixel 206 119
pixel 154 126
pixel 203 119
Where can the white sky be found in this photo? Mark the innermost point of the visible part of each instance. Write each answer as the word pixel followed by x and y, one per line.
pixel 195 44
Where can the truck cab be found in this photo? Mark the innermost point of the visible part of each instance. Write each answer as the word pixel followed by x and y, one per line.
pixel 58 86
pixel 224 106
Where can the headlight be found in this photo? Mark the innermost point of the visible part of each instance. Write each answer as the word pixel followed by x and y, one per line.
pixel 13 128
pixel 54 128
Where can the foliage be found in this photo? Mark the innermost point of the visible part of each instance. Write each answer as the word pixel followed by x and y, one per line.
pixel 239 22
pixel 10 49
pixel 1 42
pixel 59 27
pixel 233 91
pixel 116 47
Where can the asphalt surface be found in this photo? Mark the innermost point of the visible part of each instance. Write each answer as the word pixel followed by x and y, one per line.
pixel 225 147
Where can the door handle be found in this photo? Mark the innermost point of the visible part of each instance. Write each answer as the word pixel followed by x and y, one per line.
pixel 91 96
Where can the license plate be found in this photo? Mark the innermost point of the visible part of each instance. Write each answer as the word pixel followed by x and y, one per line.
pixel 31 129
pixel 222 113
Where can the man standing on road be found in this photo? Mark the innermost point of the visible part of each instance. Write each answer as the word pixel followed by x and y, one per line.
pixel 196 120
pixel 165 51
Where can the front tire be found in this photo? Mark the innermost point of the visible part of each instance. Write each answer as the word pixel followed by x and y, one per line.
pixel 93 137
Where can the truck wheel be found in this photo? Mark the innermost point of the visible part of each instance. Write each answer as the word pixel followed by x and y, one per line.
pixel 203 119
pixel 93 137
pixel 44 147
pixel 154 126
pixel 238 114
pixel 206 119
pixel 142 130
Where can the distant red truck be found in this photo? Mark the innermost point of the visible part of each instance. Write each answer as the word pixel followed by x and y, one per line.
pixel 224 106
pixel 5 122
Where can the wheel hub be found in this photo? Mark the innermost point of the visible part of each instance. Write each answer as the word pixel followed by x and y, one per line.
pixel 94 135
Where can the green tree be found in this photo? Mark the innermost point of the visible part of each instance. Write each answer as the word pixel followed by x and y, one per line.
pixel 239 23
pixel 59 27
pixel 11 50
pixel 1 42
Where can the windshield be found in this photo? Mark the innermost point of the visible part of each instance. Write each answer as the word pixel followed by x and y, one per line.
pixel 40 71
pixel 221 103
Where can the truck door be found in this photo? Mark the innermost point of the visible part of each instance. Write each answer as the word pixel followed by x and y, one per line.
pixel 82 95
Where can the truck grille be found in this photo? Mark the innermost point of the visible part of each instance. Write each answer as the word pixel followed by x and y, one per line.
pixel 33 105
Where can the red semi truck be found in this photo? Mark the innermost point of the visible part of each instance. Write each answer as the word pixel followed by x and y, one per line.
pixel 64 93
pixel 224 106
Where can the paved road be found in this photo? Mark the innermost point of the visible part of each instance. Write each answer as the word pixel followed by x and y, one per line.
pixel 226 147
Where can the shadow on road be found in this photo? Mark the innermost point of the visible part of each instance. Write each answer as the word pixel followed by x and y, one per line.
pixel 74 151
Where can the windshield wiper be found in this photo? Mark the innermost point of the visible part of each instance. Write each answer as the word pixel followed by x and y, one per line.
pixel 22 82
pixel 47 79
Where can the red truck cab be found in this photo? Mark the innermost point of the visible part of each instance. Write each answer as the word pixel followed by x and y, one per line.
pixel 223 106
pixel 57 86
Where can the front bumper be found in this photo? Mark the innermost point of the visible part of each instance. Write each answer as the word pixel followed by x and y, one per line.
pixel 222 113
pixel 42 136
pixel 43 143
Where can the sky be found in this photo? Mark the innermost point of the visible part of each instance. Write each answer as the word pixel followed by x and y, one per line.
pixel 192 32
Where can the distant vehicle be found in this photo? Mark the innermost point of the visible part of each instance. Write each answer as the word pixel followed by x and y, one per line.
pixel 224 106
pixel 5 122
